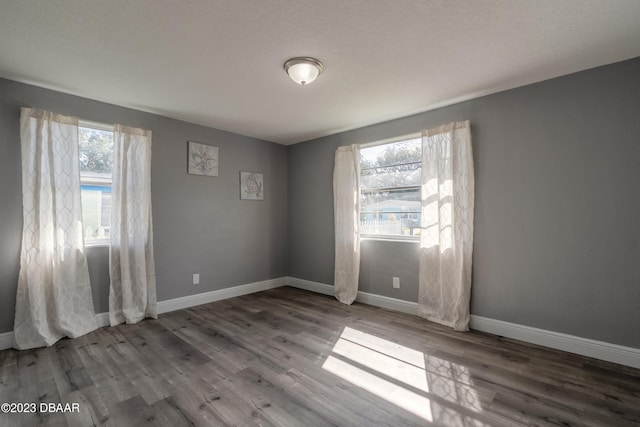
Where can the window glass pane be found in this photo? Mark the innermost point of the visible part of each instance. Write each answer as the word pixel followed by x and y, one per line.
pixel 390 179
pixel 397 153
pixel 391 176
pixel 96 151
pixel 395 212
pixel 397 200
pixel 95 215
pixel 96 164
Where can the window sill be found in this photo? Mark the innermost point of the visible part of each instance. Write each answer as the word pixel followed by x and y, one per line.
pixel 96 243
pixel 402 239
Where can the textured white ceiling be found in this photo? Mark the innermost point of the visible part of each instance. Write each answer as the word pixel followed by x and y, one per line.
pixel 219 63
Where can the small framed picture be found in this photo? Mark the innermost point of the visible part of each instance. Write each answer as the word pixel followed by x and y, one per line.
pixel 203 159
pixel 251 186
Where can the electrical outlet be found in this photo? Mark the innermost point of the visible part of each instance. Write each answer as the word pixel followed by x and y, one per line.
pixel 396 282
pixel 196 279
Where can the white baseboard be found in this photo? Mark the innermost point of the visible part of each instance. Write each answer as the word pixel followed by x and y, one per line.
pixel 388 303
pixel 102 319
pixel 622 355
pixel 363 297
pixel 308 285
pixel 220 294
pixel 6 339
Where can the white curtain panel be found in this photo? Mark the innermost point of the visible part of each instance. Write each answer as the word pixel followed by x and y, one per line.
pixel 132 294
pixel 346 210
pixel 54 295
pixel 446 240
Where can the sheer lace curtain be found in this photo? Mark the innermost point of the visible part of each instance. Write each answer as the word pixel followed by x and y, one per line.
pixel 346 209
pixel 132 294
pixel 54 295
pixel 446 240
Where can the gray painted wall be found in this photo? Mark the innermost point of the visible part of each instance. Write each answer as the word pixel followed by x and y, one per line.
pixel 200 223
pixel 557 219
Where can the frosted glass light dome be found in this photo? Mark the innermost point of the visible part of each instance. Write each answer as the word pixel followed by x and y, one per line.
pixel 303 70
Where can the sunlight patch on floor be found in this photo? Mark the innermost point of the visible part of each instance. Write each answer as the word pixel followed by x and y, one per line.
pixel 403 376
pixel 399 396
pixel 395 368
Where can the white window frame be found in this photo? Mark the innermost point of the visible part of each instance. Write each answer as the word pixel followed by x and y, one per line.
pixel 95 181
pixel 390 238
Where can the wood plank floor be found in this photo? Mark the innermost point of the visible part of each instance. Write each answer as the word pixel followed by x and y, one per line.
pixel 287 357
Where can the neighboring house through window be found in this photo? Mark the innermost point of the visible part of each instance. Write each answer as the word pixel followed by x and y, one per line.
pixel 96 162
pixel 390 176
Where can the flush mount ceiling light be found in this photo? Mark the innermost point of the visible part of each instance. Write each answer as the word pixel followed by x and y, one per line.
pixel 303 70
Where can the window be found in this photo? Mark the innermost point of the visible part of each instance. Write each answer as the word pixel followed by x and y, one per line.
pixel 96 160
pixel 390 176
